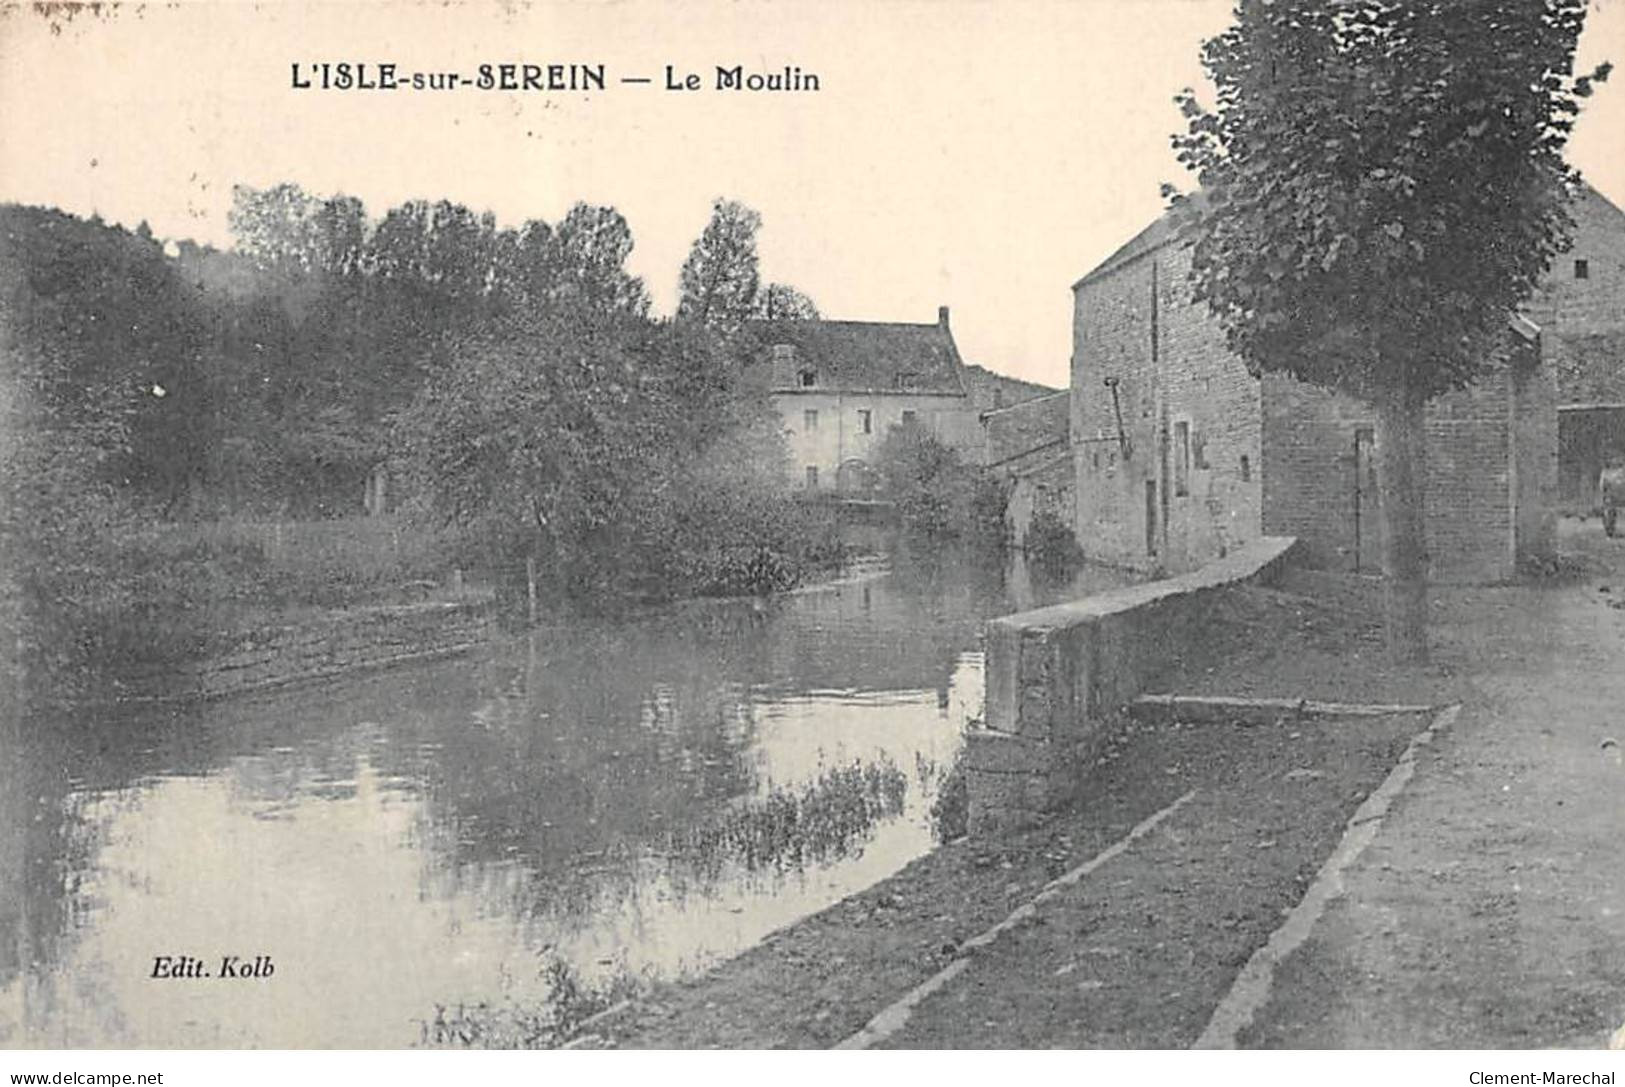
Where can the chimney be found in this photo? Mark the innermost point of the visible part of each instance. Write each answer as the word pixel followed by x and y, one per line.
pixel 942 316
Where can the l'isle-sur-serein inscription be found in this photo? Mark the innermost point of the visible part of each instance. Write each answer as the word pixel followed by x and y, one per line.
pixel 384 76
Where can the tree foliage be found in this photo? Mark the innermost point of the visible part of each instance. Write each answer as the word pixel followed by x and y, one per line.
pixel 1382 182
pixel 782 302
pixel 620 456
pixel 938 495
pixel 90 330
pixel 721 276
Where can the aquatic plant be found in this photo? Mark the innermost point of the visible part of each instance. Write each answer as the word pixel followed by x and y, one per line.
pixel 950 796
pixel 510 1024
pixel 826 818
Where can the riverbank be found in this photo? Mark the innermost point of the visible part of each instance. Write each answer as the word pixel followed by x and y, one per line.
pixel 321 601
pixel 324 646
pixel 1453 887
pixel 1135 959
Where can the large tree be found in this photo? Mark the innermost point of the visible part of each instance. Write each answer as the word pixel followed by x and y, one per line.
pixel 721 276
pixel 585 265
pixel 782 302
pixel 1383 184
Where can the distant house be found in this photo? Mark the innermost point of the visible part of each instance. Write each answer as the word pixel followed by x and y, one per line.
pixel 1580 308
pixel 841 385
pixel 1180 454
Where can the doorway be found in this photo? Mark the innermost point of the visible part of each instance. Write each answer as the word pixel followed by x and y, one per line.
pixel 1367 513
pixel 1150 517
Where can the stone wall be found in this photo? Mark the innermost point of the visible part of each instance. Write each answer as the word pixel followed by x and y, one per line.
pixel 353 641
pixel 1184 488
pixel 1032 428
pixel 1535 441
pixel 1058 675
pixel 1492 472
pixel 1210 457
pixel 1042 486
pixel 1569 304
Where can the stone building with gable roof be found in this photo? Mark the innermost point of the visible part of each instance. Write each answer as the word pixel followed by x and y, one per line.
pixel 840 386
pixel 1181 455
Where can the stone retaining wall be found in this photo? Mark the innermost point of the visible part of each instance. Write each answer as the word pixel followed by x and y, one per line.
pixel 1057 674
pixel 348 642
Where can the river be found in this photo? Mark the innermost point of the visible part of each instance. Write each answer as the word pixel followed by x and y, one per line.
pixel 560 817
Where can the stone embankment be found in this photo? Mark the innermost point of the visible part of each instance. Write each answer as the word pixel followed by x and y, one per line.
pixel 1056 677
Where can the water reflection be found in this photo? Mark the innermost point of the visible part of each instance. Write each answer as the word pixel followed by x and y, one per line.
pixel 596 803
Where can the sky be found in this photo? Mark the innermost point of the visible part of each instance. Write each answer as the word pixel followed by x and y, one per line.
pixel 978 155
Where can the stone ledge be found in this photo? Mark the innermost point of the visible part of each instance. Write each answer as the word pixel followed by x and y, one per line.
pixel 1056 676
pixel 1206 709
pixel 1261 560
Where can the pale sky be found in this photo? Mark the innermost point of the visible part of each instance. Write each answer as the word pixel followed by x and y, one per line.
pixel 981 155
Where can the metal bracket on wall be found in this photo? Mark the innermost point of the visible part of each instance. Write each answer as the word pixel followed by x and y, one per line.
pixel 1117 411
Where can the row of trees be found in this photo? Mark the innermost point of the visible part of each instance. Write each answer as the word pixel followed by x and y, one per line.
pixel 513 378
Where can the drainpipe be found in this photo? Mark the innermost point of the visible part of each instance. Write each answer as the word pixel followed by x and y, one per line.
pixel 1161 417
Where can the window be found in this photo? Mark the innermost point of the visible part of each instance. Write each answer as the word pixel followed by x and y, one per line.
pixel 812 477
pixel 1582 269
pixel 1246 469
pixel 809 378
pixel 1182 458
pixel 866 420
pixel 909 418
pixel 783 352
pixel 809 419
pixel 906 380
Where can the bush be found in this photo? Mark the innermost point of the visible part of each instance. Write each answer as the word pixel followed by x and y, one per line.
pixel 1051 547
pixel 938 495
pixel 734 539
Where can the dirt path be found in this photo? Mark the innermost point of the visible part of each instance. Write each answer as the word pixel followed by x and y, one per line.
pixel 1138 955
pixel 1490 912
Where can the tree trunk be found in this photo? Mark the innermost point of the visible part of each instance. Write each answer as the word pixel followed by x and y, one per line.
pixel 1402 483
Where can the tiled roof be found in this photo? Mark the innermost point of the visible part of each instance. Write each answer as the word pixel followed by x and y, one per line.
pixel 864 356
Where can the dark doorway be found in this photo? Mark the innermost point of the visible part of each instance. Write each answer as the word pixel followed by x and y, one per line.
pixel 1150 517
pixel 1586 437
pixel 1367 526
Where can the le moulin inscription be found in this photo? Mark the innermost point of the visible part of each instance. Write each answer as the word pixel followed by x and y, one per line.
pixel 165 967
pixel 387 76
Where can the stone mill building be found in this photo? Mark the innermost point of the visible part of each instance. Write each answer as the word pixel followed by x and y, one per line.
pixel 1181 455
